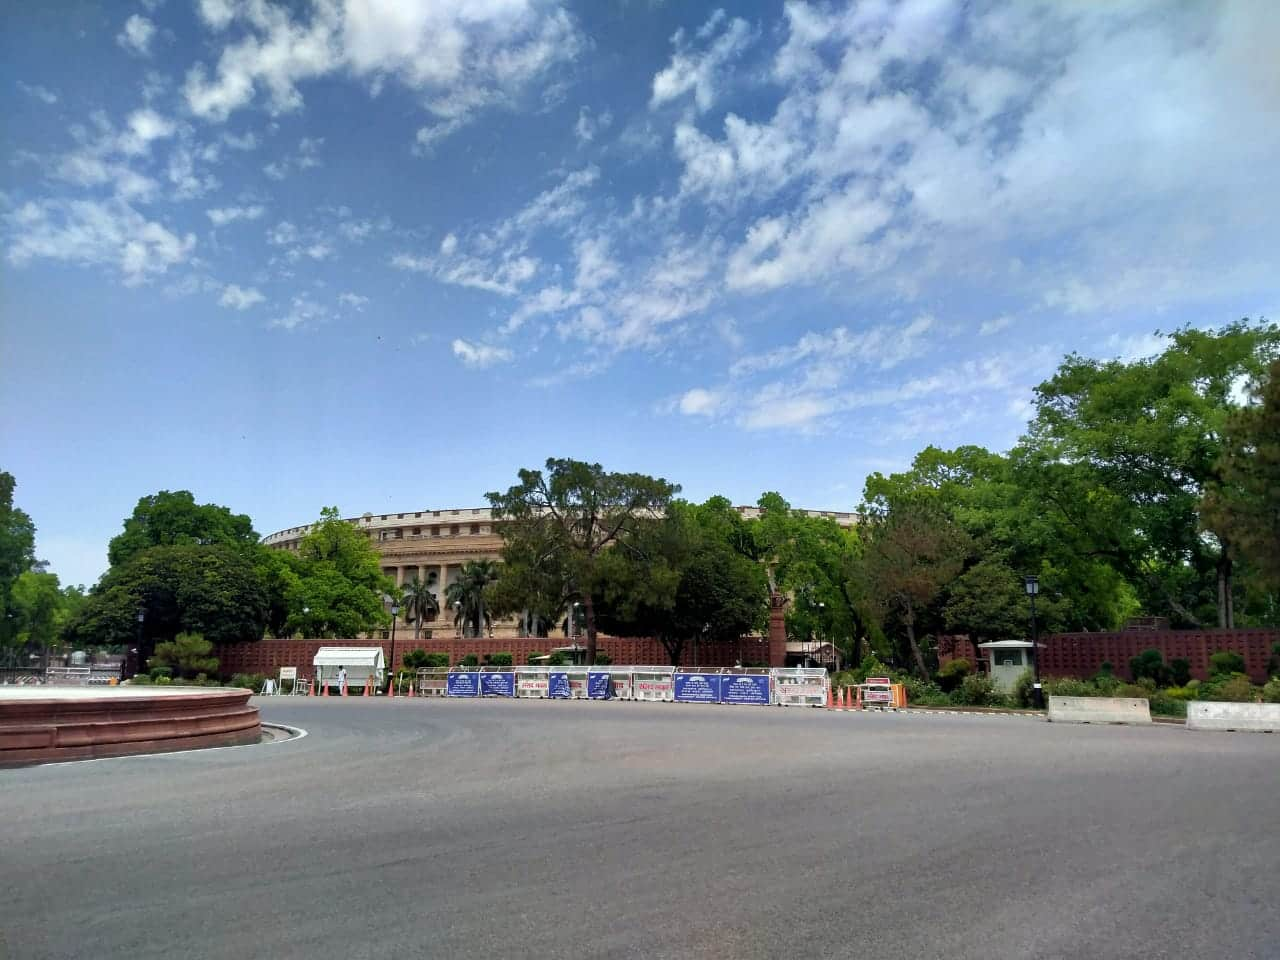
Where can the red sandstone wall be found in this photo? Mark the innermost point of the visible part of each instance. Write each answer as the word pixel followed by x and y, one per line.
pixel 1080 654
pixel 268 656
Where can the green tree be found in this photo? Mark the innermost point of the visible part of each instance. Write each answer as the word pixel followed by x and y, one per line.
pixel 335 584
pixel 1245 507
pixel 1149 437
pixel 583 511
pixel 914 551
pixel 468 597
pixel 40 608
pixel 187 655
pixel 17 552
pixel 173 518
pixel 535 584
pixel 420 604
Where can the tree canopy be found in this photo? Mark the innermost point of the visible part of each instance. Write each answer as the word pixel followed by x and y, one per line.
pixel 174 519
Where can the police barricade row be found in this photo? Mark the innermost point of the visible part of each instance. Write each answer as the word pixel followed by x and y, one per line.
pixel 791 687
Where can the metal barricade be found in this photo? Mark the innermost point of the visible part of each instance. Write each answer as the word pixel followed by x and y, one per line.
pixel 653 683
pixel 532 682
pixel 801 687
pixel 432 682
pixel 567 683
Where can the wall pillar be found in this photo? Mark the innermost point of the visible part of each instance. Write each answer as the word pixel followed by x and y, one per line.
pixel 777 630
pixel 399 576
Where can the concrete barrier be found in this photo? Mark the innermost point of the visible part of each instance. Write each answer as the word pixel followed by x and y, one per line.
pixel 1261 717
pixel 1099 710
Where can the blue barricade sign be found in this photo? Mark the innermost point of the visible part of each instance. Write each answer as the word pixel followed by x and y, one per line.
pixel 599 686
pixel 558 686
pixel 749 688
pixel 497 684
pixel 697 688
pixel 463 685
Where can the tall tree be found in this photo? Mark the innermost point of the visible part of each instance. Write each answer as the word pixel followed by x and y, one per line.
pixel 582 510
pixel 535 583
pixel 1245 507
pixel 1151 432
pixel 173 518
pixel 17 552
pixel 468 597
pixel 420 604
pixel 335 585
pixel 914 551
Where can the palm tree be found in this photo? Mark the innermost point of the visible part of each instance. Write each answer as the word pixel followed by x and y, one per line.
pixel 420 604
pixel 466 596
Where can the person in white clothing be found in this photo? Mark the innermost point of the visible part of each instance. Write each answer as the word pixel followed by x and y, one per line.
pixel 342 679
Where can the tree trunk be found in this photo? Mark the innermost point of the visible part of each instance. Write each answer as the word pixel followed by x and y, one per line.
pixel 590 609
pixel 417 627
pixel 1226 608
pixel 915 647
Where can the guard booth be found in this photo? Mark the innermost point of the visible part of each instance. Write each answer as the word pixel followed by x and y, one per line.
pixel 1009 660
pixel 361 663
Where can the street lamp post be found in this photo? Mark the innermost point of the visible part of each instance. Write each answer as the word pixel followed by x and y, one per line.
pixel 1032 585
pixel 457 618
pixel 395 611
pixel 137 660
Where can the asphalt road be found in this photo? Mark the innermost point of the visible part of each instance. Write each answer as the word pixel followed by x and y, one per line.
pixel 552 829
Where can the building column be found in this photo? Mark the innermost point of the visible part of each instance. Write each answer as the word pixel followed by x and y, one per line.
pixel 422 574
pixel 399 576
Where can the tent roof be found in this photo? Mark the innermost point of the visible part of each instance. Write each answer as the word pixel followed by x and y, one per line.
pixel 348 657
pixel 1006 644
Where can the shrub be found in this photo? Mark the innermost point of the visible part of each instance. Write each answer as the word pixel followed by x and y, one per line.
pixel 977 690
pixel 1132 691
pixel 923 692
pixel 1180 693
pixel 953 672
pixel 1068 687
pixel 141 680
pixel 1105 669
pixel 870 667
pixel 1149 664
pixel 1022 690
pixel 470 660
pixel 162 681
pixel 247 681
pixel 1164 705
pixel 1106 684
pixel 502 659
pixel 1273 661
pixel 1234 689
pixel 1179 671
pixel 156 673
pixel 1271 692
pixel 534 655
pixel 435 661
pixel 557 659
pixel 1224 663
pixel 603 659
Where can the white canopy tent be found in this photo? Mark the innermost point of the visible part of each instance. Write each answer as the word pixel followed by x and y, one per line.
pixel 361 662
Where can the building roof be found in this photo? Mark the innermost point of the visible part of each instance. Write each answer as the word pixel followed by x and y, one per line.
pixel 349 656
pixel 1006 645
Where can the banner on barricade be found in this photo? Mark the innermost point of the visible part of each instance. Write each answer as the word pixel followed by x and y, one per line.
pixel 697 688
pixel 750 688
pixel 599 685
pixel 558 686
pixel 497 684
pixel 532 685
pixel 464 685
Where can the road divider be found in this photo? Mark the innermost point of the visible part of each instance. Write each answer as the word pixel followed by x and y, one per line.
pixel 1134 710
pixel 1257 717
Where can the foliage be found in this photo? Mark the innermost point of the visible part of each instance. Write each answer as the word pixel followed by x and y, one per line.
pixel 1068 687
pixel 577 510
pixel 977 690
pixel 187 654
pixel 40 608
pixel 924 693
pixel 535 656
pixel 468 595
pixel 335 585
pixel 952 673
pixel 420 659
pixel 470 660
pixel 603 659
pixel 1149 663
pixel 1224 663
pixel 1179 671
pixel 1023 694
pixel 557 659
pixel 1245 506
pixel 1182 692
pixel 174 519
pixel 988 602
pixel 420 604
pixel 870 666
pixel 499 659
pixel 1235 688
pixel 247 681
pixel 1271 692
pixel 17 553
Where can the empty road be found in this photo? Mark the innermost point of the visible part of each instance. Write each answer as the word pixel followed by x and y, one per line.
pixel 549 829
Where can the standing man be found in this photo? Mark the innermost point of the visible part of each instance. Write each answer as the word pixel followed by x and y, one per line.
pixel 342 680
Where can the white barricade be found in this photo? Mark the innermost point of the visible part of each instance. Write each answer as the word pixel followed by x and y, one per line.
pixel 1257 717
pixel 801 687
pixel 653 683
pixel 1099 710
pixel 433 682
pixel 532 682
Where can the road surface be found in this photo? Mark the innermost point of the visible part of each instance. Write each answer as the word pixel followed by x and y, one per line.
pixel 549 829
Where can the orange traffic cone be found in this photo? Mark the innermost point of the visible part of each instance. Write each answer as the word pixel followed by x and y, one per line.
pixel 831 698
pixel 410 688
pixel 324 690
pixel 311 688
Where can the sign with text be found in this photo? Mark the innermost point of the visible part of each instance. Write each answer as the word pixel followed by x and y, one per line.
pixel 752 688
pixel 599 685
pixel 532 686
pixel 463 685
pixel 497 684
pixel 697 688
pixel 558 686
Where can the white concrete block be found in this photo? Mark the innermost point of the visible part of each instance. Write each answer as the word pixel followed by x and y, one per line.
pixel 1206 715
pixel 1099 710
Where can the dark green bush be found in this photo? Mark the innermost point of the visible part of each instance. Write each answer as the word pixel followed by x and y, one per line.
pixel 500 659
pixel 557 659
pixel 1105 669
pixel 157 672
pixel 1163 705
pixel 1224 663
pixel 1022 695
pixel 534 655
pixel 1149 664
pixel 1179 671
pixel 977 690
pixel 470 660
pixel 247 681
pixel 923 692
pixel 1271 692
pixel 870 667
pixel 603 659
pixel 1233 689
pixel 1068 687
pixel 953 672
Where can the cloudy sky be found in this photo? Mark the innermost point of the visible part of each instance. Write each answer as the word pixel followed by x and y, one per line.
pixel 380 255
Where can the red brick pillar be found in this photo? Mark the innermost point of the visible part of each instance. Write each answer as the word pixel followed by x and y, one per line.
pixel 777 630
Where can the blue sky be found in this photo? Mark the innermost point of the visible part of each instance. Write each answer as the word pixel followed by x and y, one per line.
pixel 381 254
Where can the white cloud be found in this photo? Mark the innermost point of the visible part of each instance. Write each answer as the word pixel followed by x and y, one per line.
pixel 353 300
pixel 136 35
pixel 246 141
pixel 480 355
pixel 698 71
pixel 89 232
pixel 221 216
pixel 700 402
pixel 457 58
pixel 240 298
pixel 319 251
pixel 306 157
pixel 43 94
pixel 303 312
pixel 995 325
pixel 589 125
pixel 283 234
